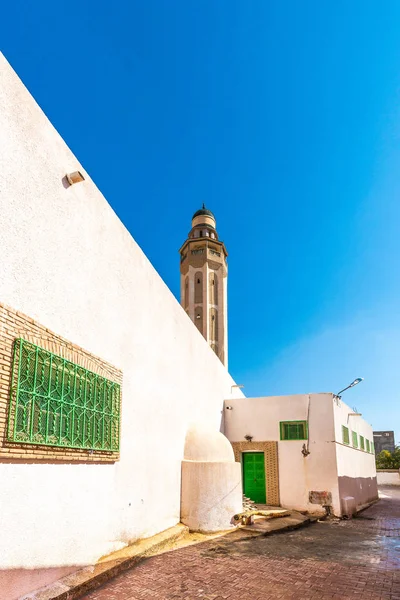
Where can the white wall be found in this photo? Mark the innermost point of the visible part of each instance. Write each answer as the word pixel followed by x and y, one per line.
pixel 389 477
pixel 298 475
pixel 68 262
pixel 356 468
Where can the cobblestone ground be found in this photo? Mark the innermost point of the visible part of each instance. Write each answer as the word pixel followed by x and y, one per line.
pixel 330 560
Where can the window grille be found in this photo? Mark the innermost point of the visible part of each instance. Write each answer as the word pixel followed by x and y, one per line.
pixel 345 434
pixel 355 439
pixel 362 446
pixel 294 430
pixel 55 402
pixel 367 445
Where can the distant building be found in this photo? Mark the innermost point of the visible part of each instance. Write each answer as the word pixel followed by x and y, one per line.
pixel 384 440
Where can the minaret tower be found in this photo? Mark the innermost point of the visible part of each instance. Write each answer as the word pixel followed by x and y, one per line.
pixel 204 273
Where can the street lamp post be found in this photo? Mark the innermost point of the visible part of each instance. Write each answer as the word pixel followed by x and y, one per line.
pixel 355 382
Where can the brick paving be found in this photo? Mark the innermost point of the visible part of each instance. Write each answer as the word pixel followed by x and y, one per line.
pixel 336 560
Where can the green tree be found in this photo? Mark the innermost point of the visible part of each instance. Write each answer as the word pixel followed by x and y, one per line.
pixel 388 460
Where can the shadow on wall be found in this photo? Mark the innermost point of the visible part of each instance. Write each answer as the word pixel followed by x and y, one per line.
pixel 14 583
pixel 362 489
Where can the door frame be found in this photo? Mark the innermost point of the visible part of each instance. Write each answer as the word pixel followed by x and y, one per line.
pixel 270 450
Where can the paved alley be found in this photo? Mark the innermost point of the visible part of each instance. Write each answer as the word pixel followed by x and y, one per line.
pixel 340 560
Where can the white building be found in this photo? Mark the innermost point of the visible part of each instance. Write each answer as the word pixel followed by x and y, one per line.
pixel 303 452
pixel 89 306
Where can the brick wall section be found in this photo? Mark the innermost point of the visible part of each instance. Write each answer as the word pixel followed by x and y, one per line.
pixel 14 324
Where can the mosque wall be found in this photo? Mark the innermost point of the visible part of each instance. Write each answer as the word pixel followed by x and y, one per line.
pixel 70 265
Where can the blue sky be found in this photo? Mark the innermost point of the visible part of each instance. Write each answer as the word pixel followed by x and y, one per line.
pixel 284 118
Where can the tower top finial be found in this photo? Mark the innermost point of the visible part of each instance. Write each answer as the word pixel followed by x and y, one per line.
pixel 203 211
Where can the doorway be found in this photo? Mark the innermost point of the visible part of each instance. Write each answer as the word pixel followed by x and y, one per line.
pixel 254 476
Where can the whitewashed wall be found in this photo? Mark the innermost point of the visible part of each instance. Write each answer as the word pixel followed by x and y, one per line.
pixel 68 262
pixel 298 475
pixel 388 477
pixel 356 468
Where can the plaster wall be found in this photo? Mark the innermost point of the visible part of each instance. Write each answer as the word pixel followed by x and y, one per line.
pixel 211 494
pixel 389 477
pixel 356 467
pixel 69 263
pixel 298 475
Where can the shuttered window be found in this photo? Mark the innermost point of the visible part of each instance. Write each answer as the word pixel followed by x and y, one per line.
pixel 294 430
pixel 345 435
pixel 355 439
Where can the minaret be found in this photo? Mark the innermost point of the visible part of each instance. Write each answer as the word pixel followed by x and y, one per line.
pixel 204 273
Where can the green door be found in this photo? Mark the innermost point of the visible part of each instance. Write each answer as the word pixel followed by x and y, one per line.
pixel 254 476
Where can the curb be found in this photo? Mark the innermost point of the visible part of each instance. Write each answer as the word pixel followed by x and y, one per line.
pixel 291 527
pixel 77 584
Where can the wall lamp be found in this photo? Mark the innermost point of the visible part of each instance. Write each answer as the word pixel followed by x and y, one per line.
pixel 229 407
pixel 240 385
pixel 355 382
pixel 74 177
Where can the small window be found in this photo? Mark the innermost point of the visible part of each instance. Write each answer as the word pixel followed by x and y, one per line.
pixel 372 447
pixel 355 439
pixel 294 430
pixel 345 435
pixel 367 445
pixel 362 446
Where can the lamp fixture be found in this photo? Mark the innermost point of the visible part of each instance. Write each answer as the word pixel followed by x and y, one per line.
pixel 237 385
pixel 74 177
pixel 355 382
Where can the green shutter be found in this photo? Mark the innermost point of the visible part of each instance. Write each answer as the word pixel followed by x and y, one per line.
pixel 362 446
pixel 367 445
pixel 355 439
pixel 345 434
pixel 372 447
pixel 55 402
pixel 293 430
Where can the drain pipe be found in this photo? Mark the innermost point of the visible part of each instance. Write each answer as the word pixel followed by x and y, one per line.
pixel 306 448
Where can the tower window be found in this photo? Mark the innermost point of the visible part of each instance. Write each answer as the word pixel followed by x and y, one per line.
pixel 198 288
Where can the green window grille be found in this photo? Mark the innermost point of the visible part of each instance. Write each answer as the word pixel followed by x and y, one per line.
pixel 354 439
pixel 55 402
pixel 367 445
pixel 362 445
pixel 294 430
pixel 345 434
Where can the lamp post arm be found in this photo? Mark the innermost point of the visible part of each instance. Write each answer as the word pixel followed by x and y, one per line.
pixel 341 391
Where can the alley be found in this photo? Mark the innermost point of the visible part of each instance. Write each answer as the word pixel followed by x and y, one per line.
pixel 329 560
